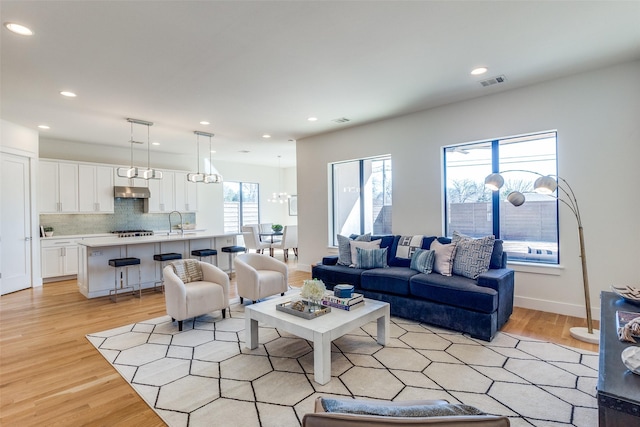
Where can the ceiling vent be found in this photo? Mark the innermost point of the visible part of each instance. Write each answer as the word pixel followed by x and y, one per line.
pixel 493 81
pixel 341 120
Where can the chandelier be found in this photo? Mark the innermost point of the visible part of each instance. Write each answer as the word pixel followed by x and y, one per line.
pixel 281 197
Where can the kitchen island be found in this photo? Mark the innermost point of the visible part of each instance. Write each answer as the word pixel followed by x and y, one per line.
pixel 96 278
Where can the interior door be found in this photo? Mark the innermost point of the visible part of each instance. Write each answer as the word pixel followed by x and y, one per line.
pixel 15 214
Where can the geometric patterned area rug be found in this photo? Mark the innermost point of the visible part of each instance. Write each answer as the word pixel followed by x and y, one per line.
pixel 204 375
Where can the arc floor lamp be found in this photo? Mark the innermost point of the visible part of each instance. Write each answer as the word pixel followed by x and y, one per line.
pixel 548 184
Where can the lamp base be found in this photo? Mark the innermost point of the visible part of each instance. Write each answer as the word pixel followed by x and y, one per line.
pixel 583 334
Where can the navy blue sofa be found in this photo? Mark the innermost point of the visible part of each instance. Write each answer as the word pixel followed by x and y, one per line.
pixel 478 307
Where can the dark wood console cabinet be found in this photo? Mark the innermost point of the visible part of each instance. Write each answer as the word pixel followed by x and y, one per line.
pixel 618 388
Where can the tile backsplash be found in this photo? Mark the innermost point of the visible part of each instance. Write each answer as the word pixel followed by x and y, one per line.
pixel 127 215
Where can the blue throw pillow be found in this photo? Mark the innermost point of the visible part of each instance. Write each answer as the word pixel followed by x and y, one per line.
pixel 371 258
pixel 422 261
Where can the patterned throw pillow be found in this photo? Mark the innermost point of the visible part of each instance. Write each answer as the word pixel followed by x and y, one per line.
pixel 364 245
pixel 473 256
pixel 444 257
pixel 371 258
pixel 407 245
pixel 422 260
pixel 188 270
pixel 344 247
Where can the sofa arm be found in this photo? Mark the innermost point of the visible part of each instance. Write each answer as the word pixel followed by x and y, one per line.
pixel 330 260
pixel 502 280
pixel 498 279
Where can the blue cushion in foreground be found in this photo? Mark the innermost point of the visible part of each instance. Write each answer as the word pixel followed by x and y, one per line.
pixel 362 408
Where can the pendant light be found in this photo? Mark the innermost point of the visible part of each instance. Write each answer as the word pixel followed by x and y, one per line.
pixel 134 172
pixel 196 177
pixel 279 197
pixel 213 177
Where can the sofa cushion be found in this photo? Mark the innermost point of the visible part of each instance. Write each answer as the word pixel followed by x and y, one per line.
pixel 392 280
pixel 344 247
pixel 371 258
pixel 363 245
pixel 456 291
pixel 445 254
pixel 472 255
pixel 496 255
pixel 337 274
pixel 422 261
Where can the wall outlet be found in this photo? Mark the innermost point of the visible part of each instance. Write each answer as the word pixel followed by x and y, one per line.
pixel 96 253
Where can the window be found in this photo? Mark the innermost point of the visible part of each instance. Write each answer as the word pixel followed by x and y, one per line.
pixel 361 196
pixel 241 205
pixel 530 231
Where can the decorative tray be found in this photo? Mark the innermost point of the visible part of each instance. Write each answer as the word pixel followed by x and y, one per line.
pixel 304 309
pixel 629 293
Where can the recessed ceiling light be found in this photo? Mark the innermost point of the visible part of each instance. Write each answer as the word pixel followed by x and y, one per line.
pixel 155 143
pixel 18 29
pixel 266 135
pixel 204 122
pixel 244 151
pixel 478 71
pixel 312 119
pixel 44 127
pixel 68 94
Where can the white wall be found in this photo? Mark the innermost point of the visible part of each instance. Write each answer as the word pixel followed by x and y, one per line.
pixel 596 115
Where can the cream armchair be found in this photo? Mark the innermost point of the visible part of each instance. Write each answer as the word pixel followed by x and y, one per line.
pixel 321 418
pixel 193 288
pixel 259 276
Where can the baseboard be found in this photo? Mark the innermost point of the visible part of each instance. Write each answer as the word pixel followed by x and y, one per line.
pixel 563 308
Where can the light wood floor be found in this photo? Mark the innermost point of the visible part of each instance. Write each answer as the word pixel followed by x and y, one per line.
pixel 51 375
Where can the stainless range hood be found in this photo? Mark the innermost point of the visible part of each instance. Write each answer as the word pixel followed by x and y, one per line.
pixel 134 193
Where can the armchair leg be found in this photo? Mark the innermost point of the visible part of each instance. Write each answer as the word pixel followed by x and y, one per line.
pixel 241 299
pixel 282 294
pixel 180 325
pixel 286 255
pixel 295 251
pixel 224 313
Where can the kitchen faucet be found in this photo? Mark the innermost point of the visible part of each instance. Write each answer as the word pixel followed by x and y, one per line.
pixel 181 223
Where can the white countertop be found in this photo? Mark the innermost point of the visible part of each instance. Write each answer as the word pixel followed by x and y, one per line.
pixel 157 238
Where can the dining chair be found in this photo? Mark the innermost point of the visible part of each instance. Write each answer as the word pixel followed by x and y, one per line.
pixel 289 241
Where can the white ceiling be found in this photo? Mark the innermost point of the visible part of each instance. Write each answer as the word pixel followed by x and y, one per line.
pixel 255 67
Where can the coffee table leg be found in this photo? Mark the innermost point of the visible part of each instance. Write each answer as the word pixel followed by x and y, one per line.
pixel 250 332
pixel 321 358
pixel 383 327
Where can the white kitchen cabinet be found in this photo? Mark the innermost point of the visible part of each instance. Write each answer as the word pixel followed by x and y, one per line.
pixel 162 193
pixel 57 187
pixel 186 193
pixel 59 257
pixel 128 182
pixel 95 188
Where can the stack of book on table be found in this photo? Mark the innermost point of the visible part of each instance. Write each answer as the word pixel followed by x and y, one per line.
pixel 351 303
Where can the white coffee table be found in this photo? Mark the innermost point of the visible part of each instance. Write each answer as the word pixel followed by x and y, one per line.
pixel 320 330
